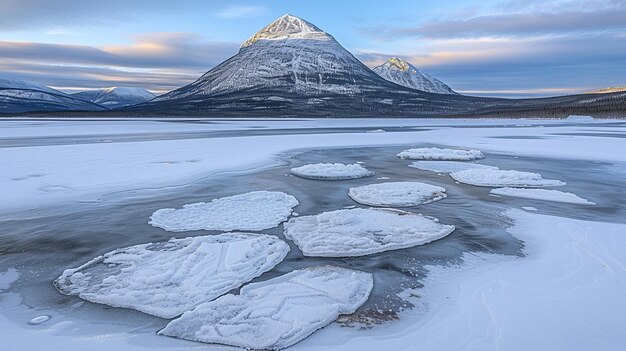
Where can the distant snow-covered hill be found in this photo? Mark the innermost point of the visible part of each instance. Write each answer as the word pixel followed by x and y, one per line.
pixel 20 96
pixel 116 96
pixel 401 72
pixel 609 90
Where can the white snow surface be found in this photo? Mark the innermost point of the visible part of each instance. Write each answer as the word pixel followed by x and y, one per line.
pixel 256 210
pixel 276 313
pixel 167 279
pixel 397 194
pixel 448 166
pixel 433 153
pixel 403 73
pixel 37 178
pixel 332 171
pixel 542 194
pixel 358 232
pixel 288 27
pixel 502 178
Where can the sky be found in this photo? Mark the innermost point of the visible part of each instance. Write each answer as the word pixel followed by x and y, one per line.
pixel 506 48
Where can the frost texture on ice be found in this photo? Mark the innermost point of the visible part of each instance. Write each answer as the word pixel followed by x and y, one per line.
pixel 331 171
pixel 358 232
pixel 168 278
pixel 542 194
pixel 276 313
pixel 257 210
pixel 500 178
pixel 397 194
pixel 447 166
pixel 433 153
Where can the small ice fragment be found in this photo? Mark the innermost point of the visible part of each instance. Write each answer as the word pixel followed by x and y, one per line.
pixel 168 278
pixel 397 194
pixel 500 178
pixel 331 171
pixel 38 320
pixel 434 153
pixel 358 232
pixel 578 118
pixel 542 194
pixel 276 313
pixel 257 210
pixel 376 131
pixel 448 166
pixel 383 178
pixel 529 208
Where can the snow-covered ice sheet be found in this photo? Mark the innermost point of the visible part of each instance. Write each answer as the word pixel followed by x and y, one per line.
pixel 256 210
pixel 332 171
pixel 448 166
pixel 542 194
pixel 167 279
pixel 433 153
pixel 358 232
pixel 88 171
pixel 397 194
pixel 276 313
pixel 502 178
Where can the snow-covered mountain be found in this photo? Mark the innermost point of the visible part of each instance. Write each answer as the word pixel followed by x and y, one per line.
pixel 292 68
pixel 401 72
pixel 290 55
pixel 116 96
pixel 20 96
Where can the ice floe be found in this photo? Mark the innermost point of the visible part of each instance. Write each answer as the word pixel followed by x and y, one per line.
pixel 168 278
pixel 397 194
pixel 579 118
pixel 331 171
pixel 359 232
pixel 500 178
pixel 448 166
pixel 257 210
pixel 542 194
pixel 276 313
pixel 433 153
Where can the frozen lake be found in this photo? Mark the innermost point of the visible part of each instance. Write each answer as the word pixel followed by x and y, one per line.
pixel 83 188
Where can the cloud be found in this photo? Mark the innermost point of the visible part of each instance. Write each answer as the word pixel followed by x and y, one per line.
pixel 531 66
pixel 29 14
pixel 240 12
pixel 157 61
pixel 542 18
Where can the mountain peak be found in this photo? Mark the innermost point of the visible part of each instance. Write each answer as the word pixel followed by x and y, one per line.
pixel 288 27
pixel 399 64
pixel 403 73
